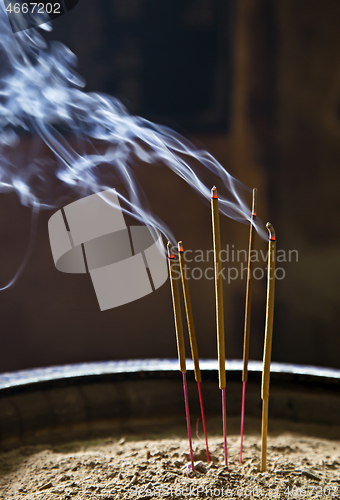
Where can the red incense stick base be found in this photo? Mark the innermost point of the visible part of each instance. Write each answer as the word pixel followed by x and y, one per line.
pixel 186 400
pixel 203 421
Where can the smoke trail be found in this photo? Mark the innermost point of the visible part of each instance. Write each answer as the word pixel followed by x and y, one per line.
pixel 40 96
pixel 33 232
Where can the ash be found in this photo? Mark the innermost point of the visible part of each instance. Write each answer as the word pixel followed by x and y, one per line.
pixel 136 467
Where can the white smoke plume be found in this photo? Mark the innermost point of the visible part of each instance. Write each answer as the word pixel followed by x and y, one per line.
pixel 73 133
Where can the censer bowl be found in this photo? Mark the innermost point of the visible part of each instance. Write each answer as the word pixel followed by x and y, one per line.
pixel 84 401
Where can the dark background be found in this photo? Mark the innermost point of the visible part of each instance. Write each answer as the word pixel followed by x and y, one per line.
pixel 258 84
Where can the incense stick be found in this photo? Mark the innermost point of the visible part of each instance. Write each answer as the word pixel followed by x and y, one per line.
pixel 219 310
pixel 192 336
pixel 180 341
pixel 268 341
pixel 247 318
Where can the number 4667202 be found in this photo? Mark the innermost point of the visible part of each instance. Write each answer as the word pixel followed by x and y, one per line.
pixel 31 8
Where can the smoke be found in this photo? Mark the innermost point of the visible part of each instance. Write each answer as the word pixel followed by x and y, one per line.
pixel 55 138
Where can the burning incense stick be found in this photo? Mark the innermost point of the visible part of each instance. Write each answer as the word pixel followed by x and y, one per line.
pixel 247 318
pixel 192 336
pixel 180 341
pixel 268 342
pixel 219 311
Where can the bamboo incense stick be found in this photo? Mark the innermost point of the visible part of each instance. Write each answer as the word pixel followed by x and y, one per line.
pixel 180 341
pixel 219 311
pixel 268 341
pixel 247 319
pixel 192 336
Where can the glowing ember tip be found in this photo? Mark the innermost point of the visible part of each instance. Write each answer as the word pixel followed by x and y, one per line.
pixel 180 247
pixel 271 230
pixel 170 254
pixel 214 193
pixel 254 202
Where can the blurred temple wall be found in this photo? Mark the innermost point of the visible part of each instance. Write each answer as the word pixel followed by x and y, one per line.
pixel 262 94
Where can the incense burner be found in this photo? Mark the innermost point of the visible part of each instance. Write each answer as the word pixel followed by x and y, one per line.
pixel 83 401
